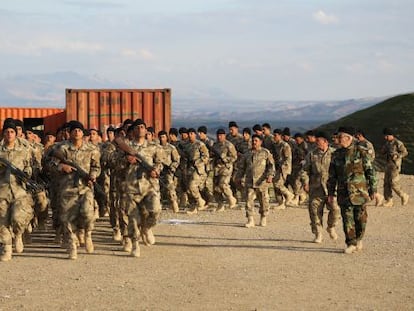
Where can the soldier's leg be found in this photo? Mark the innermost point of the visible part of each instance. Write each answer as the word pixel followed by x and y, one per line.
pixel 5 232
pixel 194 191
pixel 172 193
pixel 218 195
pixel 114 216
pixel 333 214
pixel 88 216
pixel 347 212
pixel 69 214
pixel 396 184
pixel 263 197
pixel 224 185
pixel 314 206
pixel 21 215
pixel 134 223
pixel 41 208
pixel 251 196
pixel 387 184
pixel 205 191
pixel 360 217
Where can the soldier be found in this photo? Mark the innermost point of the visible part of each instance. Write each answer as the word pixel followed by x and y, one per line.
pixel 394 151
pixel 234 136
pixel 207 185
pixel 173 136
pixel 170 161
pixel 364 142
pixel 282 155
pixel 196 158
pixel 76 195
pixel 310 140
pixel 352 178
pixel 258 130
pixel 241 149
pixel 267 136
pixel 142 163
pixel 224 154
pixel 299 152
pixel 16 204
pixel 314 174
pixel 182 187
pixel 257 166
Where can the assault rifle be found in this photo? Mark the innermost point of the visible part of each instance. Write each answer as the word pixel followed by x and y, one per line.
pixel 32 186
pixel 79 171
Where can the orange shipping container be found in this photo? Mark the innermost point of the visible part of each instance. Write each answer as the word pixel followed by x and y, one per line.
pixel 44 119
pixel 99 108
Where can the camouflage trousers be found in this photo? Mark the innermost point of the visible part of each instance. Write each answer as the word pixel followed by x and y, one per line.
pixel 168 184
pixel 15 216
pixel 114 210
pixel 392 182
pixel 281 191
pixel 354 219
pixel 222 188
pixel 77 211
pixel 316 207
pixel 294 181
pixel 144 210
pixel 194 184
pixel 262 194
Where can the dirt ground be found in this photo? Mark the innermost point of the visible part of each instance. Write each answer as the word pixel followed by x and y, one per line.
pixel 210 261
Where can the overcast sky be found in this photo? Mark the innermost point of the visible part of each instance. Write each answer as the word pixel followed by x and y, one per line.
pixel 262 49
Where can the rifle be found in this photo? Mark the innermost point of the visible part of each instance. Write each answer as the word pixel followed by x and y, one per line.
pixel 32 186
pixel 217 155
pixel 78 170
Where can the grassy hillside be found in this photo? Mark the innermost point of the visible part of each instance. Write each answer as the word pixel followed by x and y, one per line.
pixel 396 113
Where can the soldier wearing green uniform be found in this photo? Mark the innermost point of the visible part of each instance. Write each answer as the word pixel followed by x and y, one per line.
pixel 352 178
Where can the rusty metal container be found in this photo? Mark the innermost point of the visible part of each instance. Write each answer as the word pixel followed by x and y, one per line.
pixel 100 108
pixel 45 119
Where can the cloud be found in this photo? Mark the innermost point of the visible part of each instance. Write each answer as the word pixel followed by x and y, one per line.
pixel 324 18
pixel 39 45
pixel 142 53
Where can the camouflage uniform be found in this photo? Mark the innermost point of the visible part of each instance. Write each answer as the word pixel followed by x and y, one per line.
pixel 16 204
pixel 206 186
pixel 352 178
pixel 224 156
pixel 298 157
pixel 282 155
pixel 236 141
pixel 256 166
pixel 196 159
pixel 315 173
pixel 170 161
pixel 268 142
pixel 76 197
pixel 181 173
pixel 142 192
pixel 394 151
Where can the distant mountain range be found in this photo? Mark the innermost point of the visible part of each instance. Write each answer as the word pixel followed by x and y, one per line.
pixel 213 105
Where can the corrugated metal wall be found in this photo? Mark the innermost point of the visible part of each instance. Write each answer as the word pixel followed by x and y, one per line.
pixel 99 108
pixel 42 113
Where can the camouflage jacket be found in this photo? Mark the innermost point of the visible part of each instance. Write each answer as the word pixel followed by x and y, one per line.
pixel 136 178
pixel 170 158
pixel 235 140
pixel 299 154
pixel 268 142
pixel 282 155
pixel 351 175
pixel 87 157
pixel 315 170
pixel 257 166
pixel 394 151
pixel 369 147
pixel 224 154
pixel 196 157
pixel 10 187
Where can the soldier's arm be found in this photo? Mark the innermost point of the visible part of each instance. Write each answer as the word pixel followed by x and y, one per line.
pixel 370 174
pixel 232 153
pixel 305 171
pixel 175 159
pixel 270 166
pixel 402 150
pixel 333 178
pixel 95 164
pixel 204 156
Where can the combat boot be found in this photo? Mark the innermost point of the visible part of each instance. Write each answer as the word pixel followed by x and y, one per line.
pixel 350 249
pixel 174 206
pixel 220 207
pixel 250 222
pixel 88 243
pixel 192 211
pixel 136 252
pixel 201 204
pixel 73 252
pixel 281 206
pixel 318 238
pixel 19 243
pixel 291 200
pixel 303 198
pixel 359 245
pixel 379 199
pixel 116 235
pixel 7 253
pixel 149 236
pixel 404 199
pixel 81 237
pixel 232 202
pixel 127 247
pixel 332 233
pixel 388 203
pixel 263 221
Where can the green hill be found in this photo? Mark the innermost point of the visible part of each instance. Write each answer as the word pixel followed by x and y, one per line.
pixel 396 113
